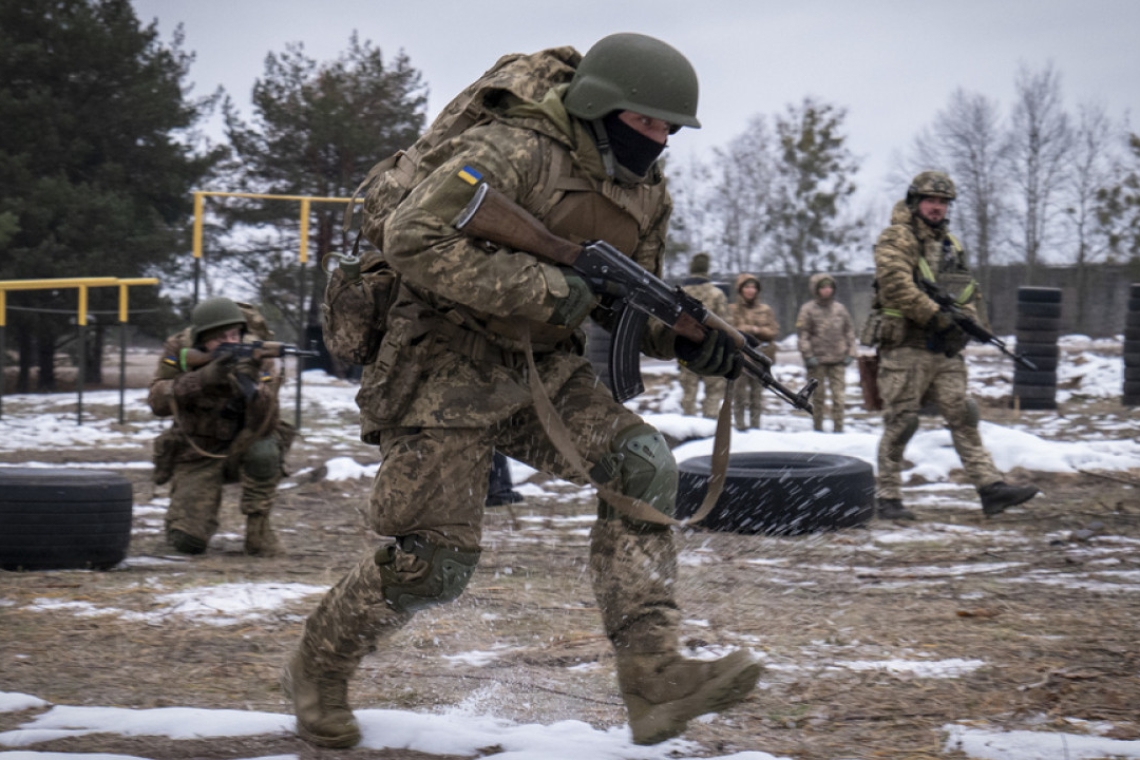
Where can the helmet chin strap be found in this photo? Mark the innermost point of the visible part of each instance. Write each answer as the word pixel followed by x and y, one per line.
pixel 602 141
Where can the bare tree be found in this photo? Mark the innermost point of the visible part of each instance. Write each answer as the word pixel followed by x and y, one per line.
pixel 739 195
pixel 966 140
pixel 1093 166
pixel 688 225
pixel 1040 141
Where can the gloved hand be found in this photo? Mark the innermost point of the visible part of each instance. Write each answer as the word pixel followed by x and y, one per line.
pixel 945 334
pixel 715 356
pixel 575 307
pixel 811 362
pixel 217 374
pixel 848 359
pixel 942 322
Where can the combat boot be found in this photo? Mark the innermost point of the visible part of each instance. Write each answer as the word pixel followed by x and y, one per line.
pixel 320 702
pixel 893 509
pixel 184 542
pixel 1000 496
pixel 260 539
pixel 663 692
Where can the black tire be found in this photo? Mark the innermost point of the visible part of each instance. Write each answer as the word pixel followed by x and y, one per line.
pixel 1037 323
pixel 1132 319
pixel 1034 404
pixel 1132 373
pixel 1034 392
pixel 1032 309
pixel 1038 336
pixel 1029 377
pixel 1130 400
pixel 1038 295
pixel 1134 304
pixel 1038 349
pixel 1043 363
pixel 60 519
pixel 1131 388
pixel 781 493
pixel 1132 359
pixel 1132 335
pixel 1134 290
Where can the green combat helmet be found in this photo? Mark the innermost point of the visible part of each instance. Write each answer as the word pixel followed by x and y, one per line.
pixel 213 313
pixel 633 72
pixel 936 184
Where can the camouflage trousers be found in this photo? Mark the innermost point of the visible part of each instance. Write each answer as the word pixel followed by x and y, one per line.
pixel 714 393
pixel 832 383
pixel 747 402
pixel 432 484
pixel 196 486
pixel 907 378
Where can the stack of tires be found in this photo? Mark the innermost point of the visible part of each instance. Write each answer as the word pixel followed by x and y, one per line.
pixel 1131 395
pixel 1038 327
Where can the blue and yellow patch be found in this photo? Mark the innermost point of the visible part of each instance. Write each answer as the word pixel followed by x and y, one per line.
pixel 470 175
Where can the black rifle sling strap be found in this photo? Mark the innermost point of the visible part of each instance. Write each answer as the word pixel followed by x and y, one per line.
pixel 635 509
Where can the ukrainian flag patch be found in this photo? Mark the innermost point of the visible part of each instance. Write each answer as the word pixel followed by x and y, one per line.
pixel 470 175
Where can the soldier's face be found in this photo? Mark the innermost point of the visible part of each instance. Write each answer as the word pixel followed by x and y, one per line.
pixel 933 209
pixel 656 130
pixel 749 291
pixel 232 335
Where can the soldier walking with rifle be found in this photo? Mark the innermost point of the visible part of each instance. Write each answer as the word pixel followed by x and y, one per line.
pixel 928 307
pixel 220 385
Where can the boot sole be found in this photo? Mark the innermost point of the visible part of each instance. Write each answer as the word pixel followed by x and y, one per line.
pixel 657 723
pixel 998 509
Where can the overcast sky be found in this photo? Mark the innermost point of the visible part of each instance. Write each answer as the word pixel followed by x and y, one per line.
pixel 892 65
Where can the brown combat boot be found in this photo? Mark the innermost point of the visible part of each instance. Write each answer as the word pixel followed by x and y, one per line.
pixel 663 692
pixel 260 539
pixel 320 703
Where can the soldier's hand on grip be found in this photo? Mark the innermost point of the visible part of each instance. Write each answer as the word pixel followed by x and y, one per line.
pixel 715 356
pixel 575 307
pixel 217 374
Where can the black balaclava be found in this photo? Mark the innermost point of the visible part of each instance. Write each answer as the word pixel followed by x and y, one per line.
pixel 631 149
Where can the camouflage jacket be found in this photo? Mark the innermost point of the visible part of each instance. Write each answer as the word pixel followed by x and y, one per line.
pixel 825 329
pixel 753 317
pixel 702 289
pixel 452 354
pixel 899 253
pixel 211 418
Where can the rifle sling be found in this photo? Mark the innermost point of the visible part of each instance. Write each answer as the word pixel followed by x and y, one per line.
pixel 633 508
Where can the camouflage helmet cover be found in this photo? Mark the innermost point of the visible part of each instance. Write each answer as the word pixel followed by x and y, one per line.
pixel 930 184
pixel 634 72
pixel 212 314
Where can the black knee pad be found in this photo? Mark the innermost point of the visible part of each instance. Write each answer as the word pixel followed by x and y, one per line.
pixel 448 574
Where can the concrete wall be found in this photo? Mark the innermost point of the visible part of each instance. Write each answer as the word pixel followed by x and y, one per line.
pixel 1099 314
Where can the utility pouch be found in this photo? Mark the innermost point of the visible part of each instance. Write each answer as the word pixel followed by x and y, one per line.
pixel 354 314
pixel 869 335
pixel 165 452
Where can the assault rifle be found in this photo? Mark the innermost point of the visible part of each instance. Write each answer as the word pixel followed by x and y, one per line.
pixel 494 217
pixel 257 350
pixel 948 304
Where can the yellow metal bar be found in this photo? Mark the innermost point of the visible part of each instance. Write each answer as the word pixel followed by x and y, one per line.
pixel 198 205
pixel 269 196
pixel 305 230
pixel 82 305
pixel 61 282
pixel 3 314
pixel 124 293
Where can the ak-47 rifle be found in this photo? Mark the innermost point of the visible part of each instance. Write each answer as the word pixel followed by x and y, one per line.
pixel 192 358
pixel 494 217
pixel 948 304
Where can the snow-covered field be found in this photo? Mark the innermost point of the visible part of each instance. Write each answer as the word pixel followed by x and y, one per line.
pixel 1067 442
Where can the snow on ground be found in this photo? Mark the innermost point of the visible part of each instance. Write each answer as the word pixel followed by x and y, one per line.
pixel 1041 442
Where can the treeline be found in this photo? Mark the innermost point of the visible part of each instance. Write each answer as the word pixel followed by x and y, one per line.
pixel 103 146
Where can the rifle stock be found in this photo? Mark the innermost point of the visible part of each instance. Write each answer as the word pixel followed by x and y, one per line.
pixel 494 217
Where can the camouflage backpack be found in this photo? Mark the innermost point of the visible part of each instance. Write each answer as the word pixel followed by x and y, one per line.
pixel 355 308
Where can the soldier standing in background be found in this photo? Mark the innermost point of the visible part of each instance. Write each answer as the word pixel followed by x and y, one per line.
pixel 755 319
pixel 699 286
pixel 451 383
pixel 827 343
pixel 920 346
pixel 227 429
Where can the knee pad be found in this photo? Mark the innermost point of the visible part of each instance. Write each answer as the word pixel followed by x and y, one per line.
pixel 448 572
pixel 262 460
pixel 909 427
pixel 646 467
pixel 964 415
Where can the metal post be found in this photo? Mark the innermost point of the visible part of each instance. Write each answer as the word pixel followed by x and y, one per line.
pixel 82 339
pixel 303 259
pixel 122 371
pixel 3 357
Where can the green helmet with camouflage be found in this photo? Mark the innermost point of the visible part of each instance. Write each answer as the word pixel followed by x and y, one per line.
pixel 212 314
pixel 930 184
pixel 634 72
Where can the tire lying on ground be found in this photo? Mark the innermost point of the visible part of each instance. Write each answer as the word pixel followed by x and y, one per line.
pixel 781 493
pixel 61 519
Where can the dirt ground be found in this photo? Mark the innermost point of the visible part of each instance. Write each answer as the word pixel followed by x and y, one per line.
pixel 1054 653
